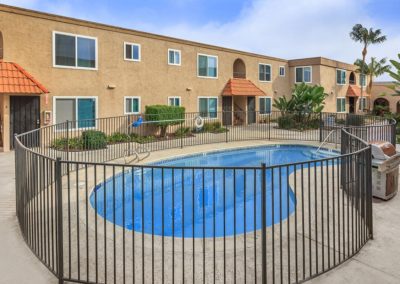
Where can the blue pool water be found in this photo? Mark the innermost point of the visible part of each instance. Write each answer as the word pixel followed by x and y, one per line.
pixel 203 202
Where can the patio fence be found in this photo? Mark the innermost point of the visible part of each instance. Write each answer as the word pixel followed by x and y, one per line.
pixel 92 218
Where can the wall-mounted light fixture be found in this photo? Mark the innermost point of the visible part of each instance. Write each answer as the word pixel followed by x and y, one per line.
pixel 111 86
pixel 188 89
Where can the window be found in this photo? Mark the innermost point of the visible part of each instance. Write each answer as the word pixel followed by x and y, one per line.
pixel 340 104
pixel 282 71
pixel 363 81
pixel 363 102
pixel 174 57
pixel 340 77
pixel 132 105
pixel 264 72
pixel 73 51
pixel 174 101
pixel 208 107
pixel 303 74
pixel 132 51
pixel 207 66
pixel 81 111
pixel 265 105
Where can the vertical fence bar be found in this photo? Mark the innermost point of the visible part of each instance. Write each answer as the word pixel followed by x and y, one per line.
pixel 263 223
pixel 60 254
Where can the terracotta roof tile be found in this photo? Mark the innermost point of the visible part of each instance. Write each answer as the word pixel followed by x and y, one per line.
pixel 15 80
pixel 241 87
pixel 354 91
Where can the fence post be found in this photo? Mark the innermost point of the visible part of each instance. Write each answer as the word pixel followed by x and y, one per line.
pixel 369 191
pixel 67 140
pixel 269 126
pixel 321 125
pixel 59 209
pixel 264 223
pixel 226 125
pixel 181 134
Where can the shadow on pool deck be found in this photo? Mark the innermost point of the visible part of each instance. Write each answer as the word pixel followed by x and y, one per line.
pixel 377 262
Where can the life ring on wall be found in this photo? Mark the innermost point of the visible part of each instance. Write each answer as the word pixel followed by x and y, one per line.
pixel 198 122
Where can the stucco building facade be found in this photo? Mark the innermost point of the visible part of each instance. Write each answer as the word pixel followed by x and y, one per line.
pixel 87 70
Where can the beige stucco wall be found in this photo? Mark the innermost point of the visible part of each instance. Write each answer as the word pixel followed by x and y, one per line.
pixel 383 90
pixel 28 41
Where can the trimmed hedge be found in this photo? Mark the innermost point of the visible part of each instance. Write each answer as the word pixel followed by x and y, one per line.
pixel 93 139
pixel 165 116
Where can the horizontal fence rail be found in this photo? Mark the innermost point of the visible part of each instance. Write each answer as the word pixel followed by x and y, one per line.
pixel 92 217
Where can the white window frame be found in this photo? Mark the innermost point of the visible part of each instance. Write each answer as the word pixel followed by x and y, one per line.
pixel 295 72
pixel 180 57
pixel 207 97
pixel 259 105
pixel 133 97
pixel 76 51
pixel 345 77
pixel 284 71
pixel 140 51
pixel 341 98
pixel 270 68
pixel 76 110
pixel 175 97
pixel 208 55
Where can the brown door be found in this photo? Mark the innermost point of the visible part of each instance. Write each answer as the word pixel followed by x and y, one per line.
pixel 352 104
pixel 251 110
pixel 227 110
pixel 24 117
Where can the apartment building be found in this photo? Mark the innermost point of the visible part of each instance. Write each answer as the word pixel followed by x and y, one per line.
pixel 55 68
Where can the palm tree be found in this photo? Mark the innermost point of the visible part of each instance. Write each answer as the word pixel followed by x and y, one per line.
pixel 366 37
pixel 395 76
pixel 374 69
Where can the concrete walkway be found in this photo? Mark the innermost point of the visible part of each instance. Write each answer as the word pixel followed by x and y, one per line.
pixel 378 261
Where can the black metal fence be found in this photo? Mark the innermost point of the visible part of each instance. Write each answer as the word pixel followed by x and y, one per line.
pixel 94 222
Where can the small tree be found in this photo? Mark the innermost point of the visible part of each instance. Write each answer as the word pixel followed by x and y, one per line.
pixel 164 116
pixel 374 69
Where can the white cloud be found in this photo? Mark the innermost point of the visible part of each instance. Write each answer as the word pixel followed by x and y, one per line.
pixel 293 29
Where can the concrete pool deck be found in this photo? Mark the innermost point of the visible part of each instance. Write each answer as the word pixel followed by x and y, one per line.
pixel 377 262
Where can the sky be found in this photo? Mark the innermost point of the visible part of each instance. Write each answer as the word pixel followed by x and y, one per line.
pixel 281 28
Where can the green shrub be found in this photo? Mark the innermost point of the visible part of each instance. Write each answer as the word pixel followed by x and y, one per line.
pixel 93 139
pixel 214 127
pixel 182 132
pixel 286 122
pixel 64 144
pixel 144 139
pixel 118 138
pixel 165 116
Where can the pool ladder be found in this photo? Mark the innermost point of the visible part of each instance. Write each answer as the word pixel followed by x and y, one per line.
pixel 326 139
pixel 135 153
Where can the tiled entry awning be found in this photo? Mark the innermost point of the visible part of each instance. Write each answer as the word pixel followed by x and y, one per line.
pixel 15 80
pixel 354 91
pixel 241 87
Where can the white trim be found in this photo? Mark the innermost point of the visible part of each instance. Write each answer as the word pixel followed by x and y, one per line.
pixel 133 97
pixel 270 69
pixel 76 109
pixel 284 71
pixel 208 55
pixel 175 97
pixel 180 57
pixel 344 104
pixel 76 51
pixel 345 77
pixel 207 97
pixel 311 73
pixel 140 51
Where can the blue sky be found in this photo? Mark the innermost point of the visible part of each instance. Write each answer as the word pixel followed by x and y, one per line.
pixel 281 28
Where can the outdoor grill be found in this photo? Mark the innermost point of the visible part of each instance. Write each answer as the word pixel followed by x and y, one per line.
pixel 385 169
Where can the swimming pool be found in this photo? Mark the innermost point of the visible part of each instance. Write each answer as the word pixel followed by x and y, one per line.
pixel 203 202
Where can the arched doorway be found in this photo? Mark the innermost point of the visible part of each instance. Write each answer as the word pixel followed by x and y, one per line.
pixel 352 78
pixel 239 69
pixel 381 106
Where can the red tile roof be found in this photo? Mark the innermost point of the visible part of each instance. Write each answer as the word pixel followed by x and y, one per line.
pixel 354 91
pixel 241 87
pixel 15 80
